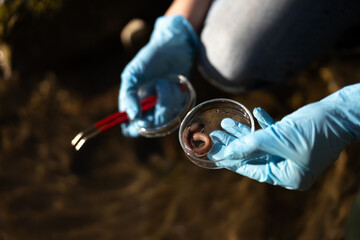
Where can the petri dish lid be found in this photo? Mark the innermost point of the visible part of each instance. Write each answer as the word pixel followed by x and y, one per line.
pixel 188 102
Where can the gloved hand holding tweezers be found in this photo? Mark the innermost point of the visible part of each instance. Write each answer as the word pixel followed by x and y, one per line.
pixel 170 51
pixel 293 152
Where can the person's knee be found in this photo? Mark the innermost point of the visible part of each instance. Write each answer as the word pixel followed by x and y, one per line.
pixel 226 71
pixel 234 52
pixel 243 51
pixel 235 66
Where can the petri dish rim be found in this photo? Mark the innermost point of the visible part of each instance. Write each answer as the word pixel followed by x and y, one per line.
pixel 190 113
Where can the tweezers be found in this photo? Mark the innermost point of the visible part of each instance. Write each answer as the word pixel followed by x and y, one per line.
pixel 109 122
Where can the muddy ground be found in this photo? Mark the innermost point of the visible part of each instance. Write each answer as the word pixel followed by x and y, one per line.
pixel 62 75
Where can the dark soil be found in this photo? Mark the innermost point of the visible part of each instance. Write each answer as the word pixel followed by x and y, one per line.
pixel 65 71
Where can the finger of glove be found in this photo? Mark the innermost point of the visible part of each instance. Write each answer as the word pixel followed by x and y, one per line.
pixel 146 120
pixel 282 173
pixel 129 130
pixel 179 97
pixel 263 118
pixel 132 129
pixel 234 127
pixel 277 140
pixel 130 103
pixel 257 170
pixel 164 100
pixel 220 141
pixel 240 148
pixel 131 79
pixel 222 137
pixel 169 101
pixel 262 156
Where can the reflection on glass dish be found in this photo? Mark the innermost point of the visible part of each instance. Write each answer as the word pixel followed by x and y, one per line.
pixel 187 96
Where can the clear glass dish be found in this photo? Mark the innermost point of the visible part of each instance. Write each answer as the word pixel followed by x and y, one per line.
pixel 210 114
pixel 189 99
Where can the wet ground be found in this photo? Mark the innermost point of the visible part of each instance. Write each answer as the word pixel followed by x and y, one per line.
pixel 123 188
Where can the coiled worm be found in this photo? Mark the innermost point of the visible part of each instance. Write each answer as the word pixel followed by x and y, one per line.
pixel 194 134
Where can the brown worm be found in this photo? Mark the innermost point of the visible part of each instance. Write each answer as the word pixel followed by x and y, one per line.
pixel 193 134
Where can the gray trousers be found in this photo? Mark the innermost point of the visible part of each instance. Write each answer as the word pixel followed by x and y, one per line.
pixel 252 44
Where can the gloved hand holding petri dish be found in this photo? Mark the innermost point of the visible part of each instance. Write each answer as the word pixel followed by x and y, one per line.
pixel 175 97
pixel 291 152
pixel 205 118
pixel 163 103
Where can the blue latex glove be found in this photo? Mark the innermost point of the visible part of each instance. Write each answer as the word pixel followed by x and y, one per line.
pixel 293 152
pixel 170 51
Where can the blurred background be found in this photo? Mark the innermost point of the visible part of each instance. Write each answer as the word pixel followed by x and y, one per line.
pixel 60 63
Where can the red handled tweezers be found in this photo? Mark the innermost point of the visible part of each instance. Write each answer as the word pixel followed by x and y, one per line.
pixel 109 122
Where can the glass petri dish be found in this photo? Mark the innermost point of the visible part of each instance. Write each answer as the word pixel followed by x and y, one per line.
pixel 210 114
pixel 188 102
